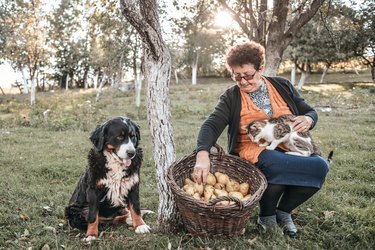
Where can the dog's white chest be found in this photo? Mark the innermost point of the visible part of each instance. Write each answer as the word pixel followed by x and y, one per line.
pixel 117 183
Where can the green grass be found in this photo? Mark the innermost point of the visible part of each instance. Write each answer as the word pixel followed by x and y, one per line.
pixel 42 158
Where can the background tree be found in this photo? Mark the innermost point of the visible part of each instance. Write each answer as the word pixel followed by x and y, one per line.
pixel 274 27
pixel 24 47
pixel 156 67
pixel 202 43
pixel 360 30
pixel 68 38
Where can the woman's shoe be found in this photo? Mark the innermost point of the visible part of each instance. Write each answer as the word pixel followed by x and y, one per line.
pixel 285 221
pixel 267 223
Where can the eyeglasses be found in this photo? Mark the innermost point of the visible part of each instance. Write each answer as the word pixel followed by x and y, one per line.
pixel 246 77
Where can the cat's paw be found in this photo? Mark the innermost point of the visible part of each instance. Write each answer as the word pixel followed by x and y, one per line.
pixel 270 148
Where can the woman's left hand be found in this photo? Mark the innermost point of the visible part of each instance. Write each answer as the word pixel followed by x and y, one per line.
pixel 302 123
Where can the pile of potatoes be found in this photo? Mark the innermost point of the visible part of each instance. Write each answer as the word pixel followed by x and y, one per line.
pixel 218 184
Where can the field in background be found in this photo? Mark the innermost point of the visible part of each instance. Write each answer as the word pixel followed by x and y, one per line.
pixel 43 152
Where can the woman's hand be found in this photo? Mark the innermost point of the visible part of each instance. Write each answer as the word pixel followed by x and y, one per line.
pixel 302 123
pixel 202 167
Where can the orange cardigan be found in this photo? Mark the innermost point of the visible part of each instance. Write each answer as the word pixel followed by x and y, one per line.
pixel 249 113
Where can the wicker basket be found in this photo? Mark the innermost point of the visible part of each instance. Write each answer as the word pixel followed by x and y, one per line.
pixel 212 219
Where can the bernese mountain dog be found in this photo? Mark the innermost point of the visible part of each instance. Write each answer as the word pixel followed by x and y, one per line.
pixel 109 188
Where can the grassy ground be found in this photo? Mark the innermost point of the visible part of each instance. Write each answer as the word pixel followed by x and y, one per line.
pixel 43 156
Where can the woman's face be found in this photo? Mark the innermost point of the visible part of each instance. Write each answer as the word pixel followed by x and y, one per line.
pixel 247 77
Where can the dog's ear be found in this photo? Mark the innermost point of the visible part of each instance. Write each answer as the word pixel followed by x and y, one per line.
pixel 97 137
pixel 136 129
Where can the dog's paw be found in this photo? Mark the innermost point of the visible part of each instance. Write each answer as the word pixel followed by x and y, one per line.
pixel 143 229
pixel 89 238
pixel 146 212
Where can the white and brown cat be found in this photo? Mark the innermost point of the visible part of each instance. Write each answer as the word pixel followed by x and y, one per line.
pixel 271 133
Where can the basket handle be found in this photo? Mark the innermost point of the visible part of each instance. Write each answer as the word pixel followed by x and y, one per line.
pixel 220 151
pixel 214 202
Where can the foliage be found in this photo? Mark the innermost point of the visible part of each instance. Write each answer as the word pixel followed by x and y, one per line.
pixel 200 42
pixel 25 37
pixel 41 164
pixel 272 25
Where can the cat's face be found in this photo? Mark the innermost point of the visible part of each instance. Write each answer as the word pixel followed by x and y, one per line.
pixel 254 128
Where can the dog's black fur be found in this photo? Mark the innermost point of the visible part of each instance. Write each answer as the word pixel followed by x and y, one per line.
pixel 92 199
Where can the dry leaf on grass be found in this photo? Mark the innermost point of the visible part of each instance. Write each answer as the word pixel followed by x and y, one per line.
pixel 328 214
pixel 253 240
pixel 24 217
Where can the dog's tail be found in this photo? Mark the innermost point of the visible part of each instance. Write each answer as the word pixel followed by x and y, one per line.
pixel 330 156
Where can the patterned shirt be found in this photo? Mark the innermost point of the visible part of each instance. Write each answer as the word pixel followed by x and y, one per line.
pixel 261 99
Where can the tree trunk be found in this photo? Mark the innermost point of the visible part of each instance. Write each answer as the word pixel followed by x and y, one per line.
pixel 176 75
pixel 194 70
pixel 302 80
pixel 322 78
pixel 100 89
pixel 293 75
pixel 278 31
pixel 67 82
pixel 156 67
pixel 138 89
pixel 373 73
pixel 2 91
pixel 85 77
pixel 25 87
pixel 33 91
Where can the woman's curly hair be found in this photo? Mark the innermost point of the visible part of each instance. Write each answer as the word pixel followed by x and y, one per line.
pixel 246 53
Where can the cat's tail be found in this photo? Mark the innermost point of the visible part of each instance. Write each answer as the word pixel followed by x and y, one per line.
pixel 330 156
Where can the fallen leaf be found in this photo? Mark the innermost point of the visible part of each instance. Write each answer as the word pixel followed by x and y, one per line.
pixel 328 214
pixel 25 233
pixel 309 210
pixel 45 247
pixel 253 240
pixel 24 217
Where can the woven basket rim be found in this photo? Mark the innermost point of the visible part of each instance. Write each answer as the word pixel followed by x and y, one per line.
pixel 217 207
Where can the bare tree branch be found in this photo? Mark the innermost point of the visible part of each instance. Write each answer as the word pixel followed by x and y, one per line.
pixel 299 21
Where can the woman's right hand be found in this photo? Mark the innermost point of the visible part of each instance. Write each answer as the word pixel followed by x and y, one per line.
pixel 202 167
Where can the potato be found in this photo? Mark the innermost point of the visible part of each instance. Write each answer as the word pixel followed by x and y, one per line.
pixel 197 196
pixel 219 186
pixel 188 182
pixel 211 179
pixel 186 186
pixel 223 203
pixel 208 192
pixel 244 188
pixel 198 188
pixel 236 194
pixel 219 192
pixel 190 190
pixel 245 198
pixel 232 186
pixel 221 178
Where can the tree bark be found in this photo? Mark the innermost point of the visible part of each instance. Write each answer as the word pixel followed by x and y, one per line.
pixel 99 92
pixel 323 77
pixel 156 67
pixel 194 70
pixel 293 75
pixel 138 89
pixel 33 91
pixel 25 87
pixel 302 80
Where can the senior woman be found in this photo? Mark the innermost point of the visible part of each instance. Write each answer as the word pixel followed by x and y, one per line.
pixel 292 180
